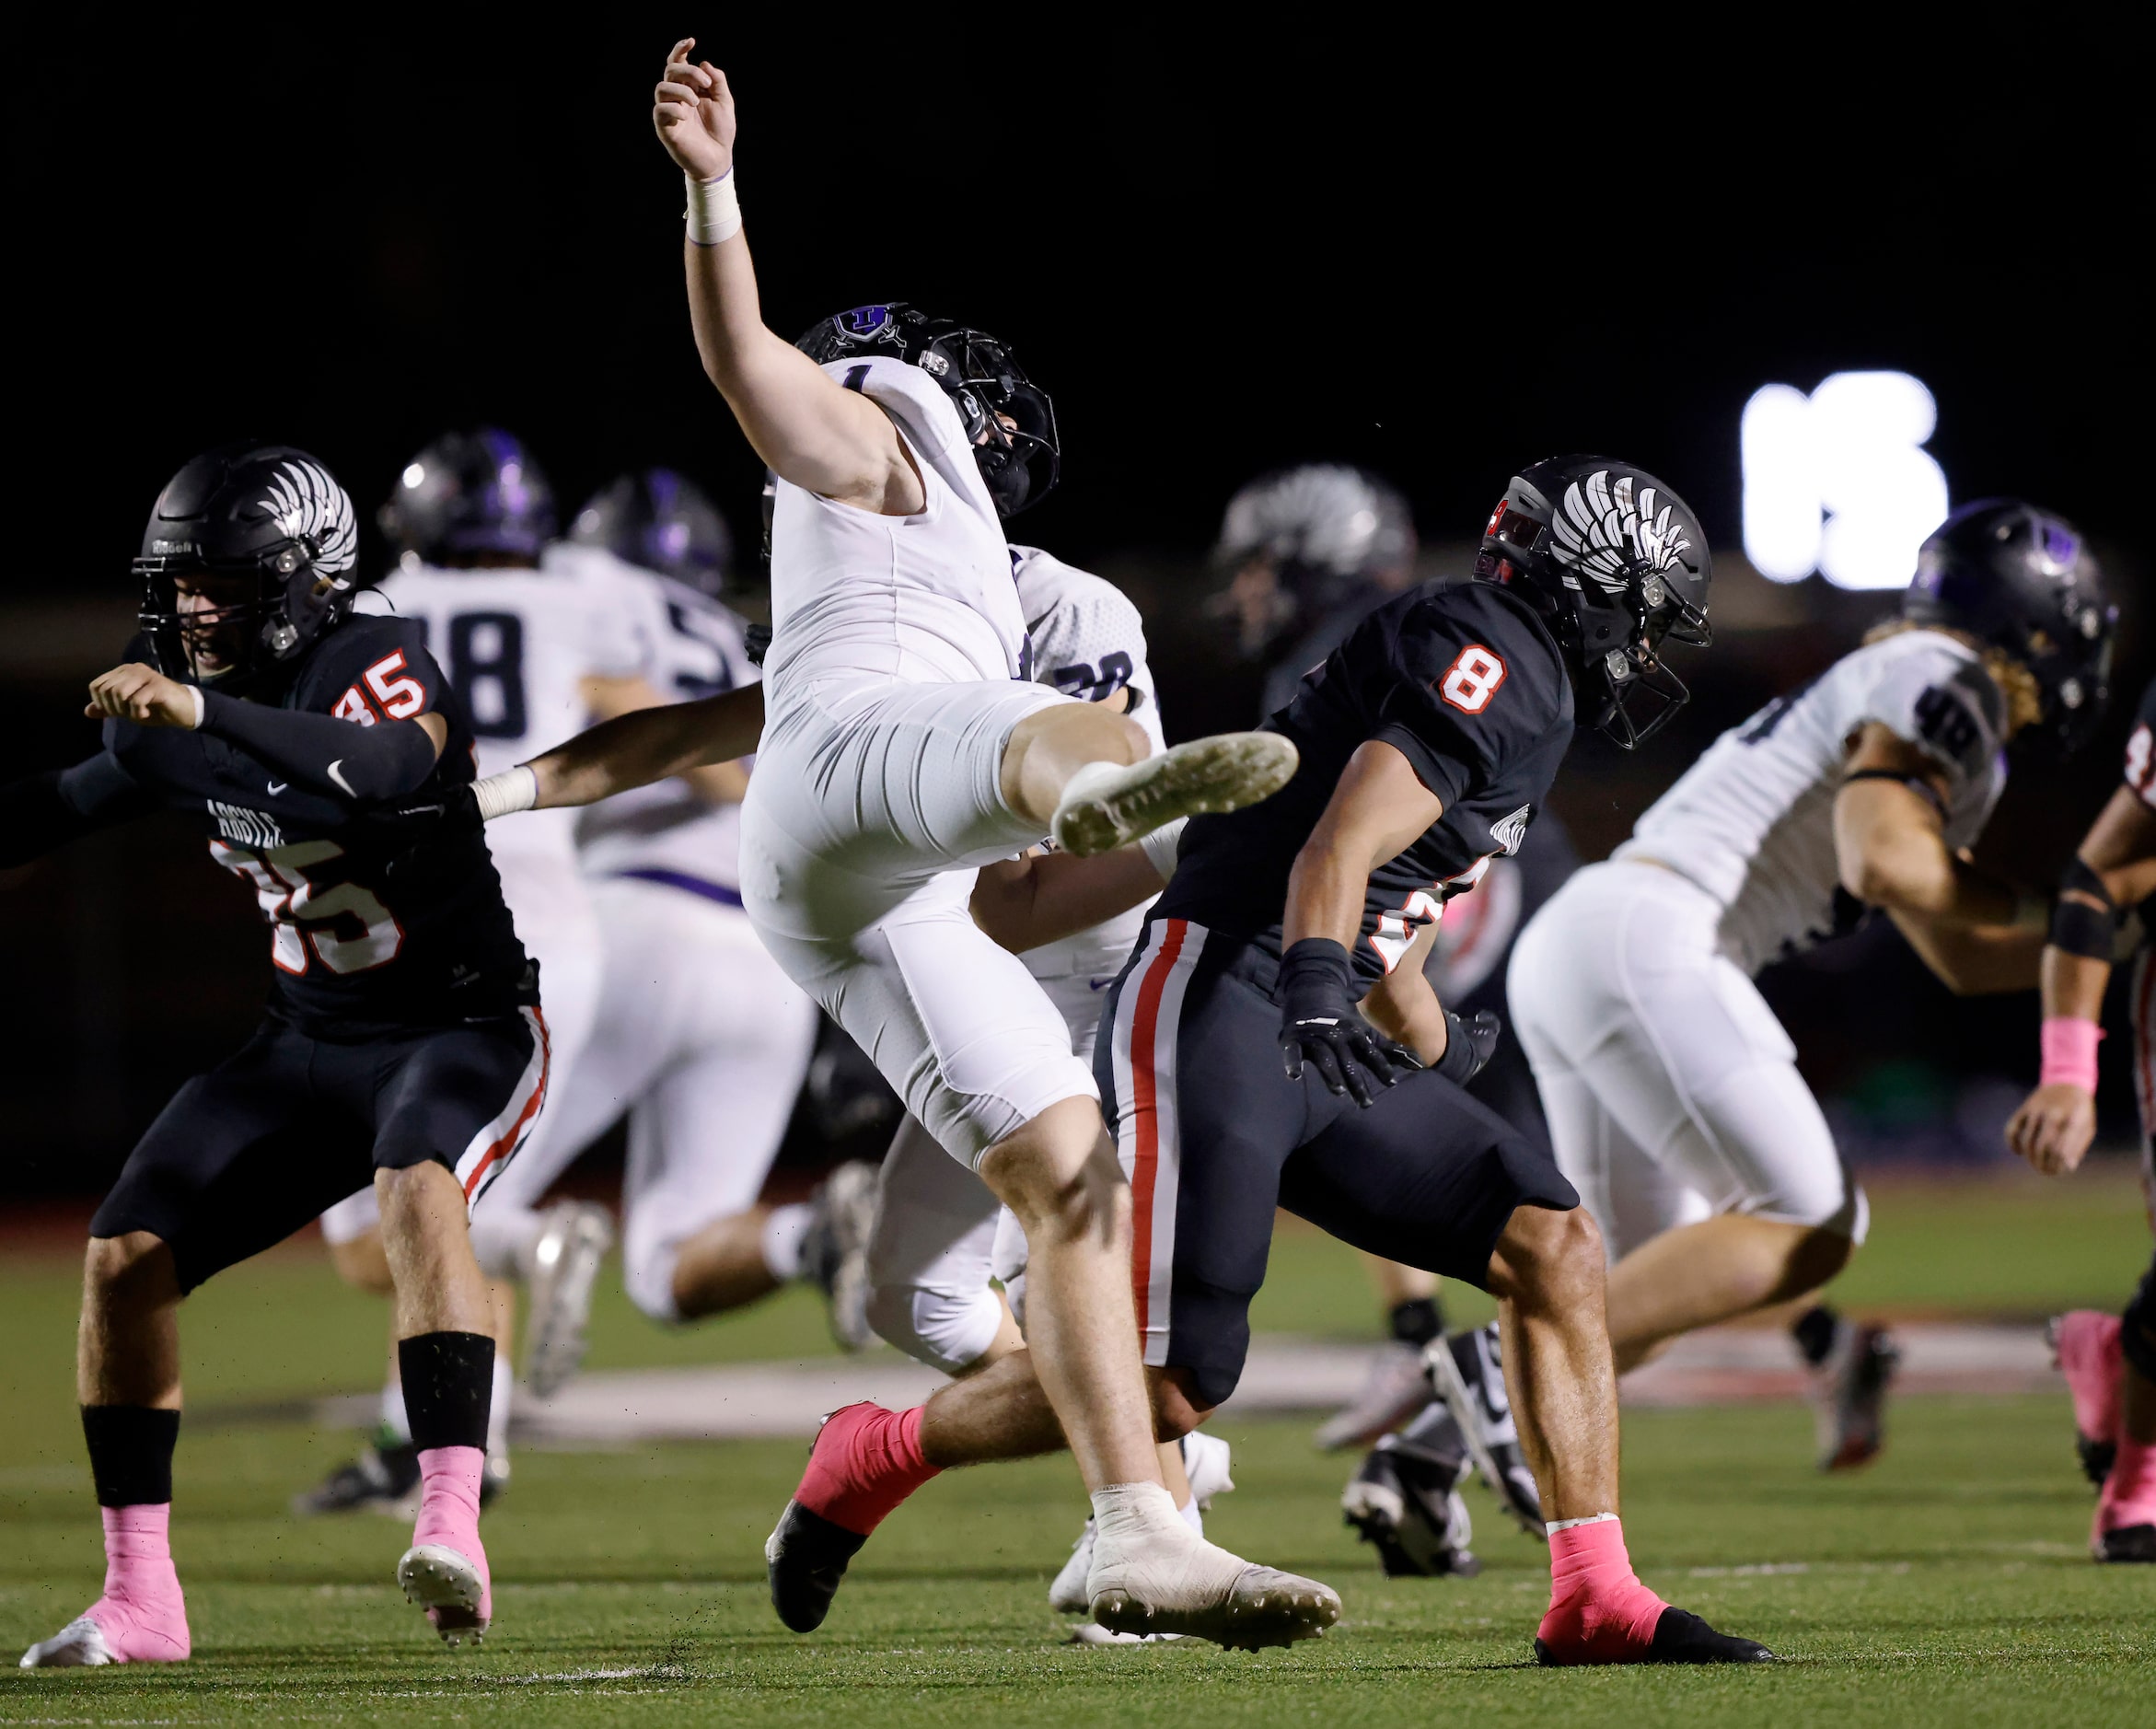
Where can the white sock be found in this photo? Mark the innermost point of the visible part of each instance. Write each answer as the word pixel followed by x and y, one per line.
pixel 394 1420
pixel 783 1234
pixel 498 1405
pixel 1133 1511
pixel 504 1241
pixel 1192 1515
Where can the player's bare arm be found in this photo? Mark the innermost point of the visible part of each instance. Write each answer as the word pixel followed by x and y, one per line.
pixel 1890 842
pixel 1375 812
pixel 1403 1005
pixel 806 428
pixel 2057 1122
pixel 1023 903
pixel 714 784
pixel 631 750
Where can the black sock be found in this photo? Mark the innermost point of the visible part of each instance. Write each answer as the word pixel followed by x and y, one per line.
pixel 448 1386
pixel 1417 1321
pixel 1814 1332
pixel 130 1452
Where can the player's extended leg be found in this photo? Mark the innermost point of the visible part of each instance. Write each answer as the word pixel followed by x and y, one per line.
pixel 1428 1175
pixel 1088 777
pixel 127 1379
pixel 445 1359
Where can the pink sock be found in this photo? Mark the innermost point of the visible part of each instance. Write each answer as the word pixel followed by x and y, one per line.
pixel 865 1461
pixel 2089 1359
pixel 1599 1612
pixel 2129 1492
pixel 449 1510
pixel 142 1614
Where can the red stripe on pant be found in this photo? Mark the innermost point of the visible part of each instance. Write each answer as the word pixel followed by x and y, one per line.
pixel 524 1117
pixel 1145 1112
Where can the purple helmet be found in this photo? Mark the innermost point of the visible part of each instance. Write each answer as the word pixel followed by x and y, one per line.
pixel 471 492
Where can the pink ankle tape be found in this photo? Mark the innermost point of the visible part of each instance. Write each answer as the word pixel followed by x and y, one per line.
pixel 1599 1612
pixel 141 1532
pixel 2129 1492
pixel 867 1460
pixel 2069 1052
pixel 449 1506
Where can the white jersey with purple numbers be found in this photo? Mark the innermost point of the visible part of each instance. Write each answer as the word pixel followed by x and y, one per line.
pixel 1752 822
pixel 1088 642
pixel 919 599
pixel 692 647
pixel 518 645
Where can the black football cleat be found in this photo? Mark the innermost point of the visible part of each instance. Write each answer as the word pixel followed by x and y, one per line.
pixel 2127 1543
pixel 380 1479
pixel 1404 1503
pixel 1466 1372
pixel 1682 1637
pixel 806 1557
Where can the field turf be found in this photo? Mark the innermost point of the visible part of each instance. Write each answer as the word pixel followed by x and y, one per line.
pixel 1948 1584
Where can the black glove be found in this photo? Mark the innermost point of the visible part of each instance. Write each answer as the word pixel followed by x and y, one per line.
pixel 1470 1042
pixel 1319 1021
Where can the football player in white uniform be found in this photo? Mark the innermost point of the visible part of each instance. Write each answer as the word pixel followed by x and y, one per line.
pixel 533 654
pixel 905 747
pixel 1673 1093
pixel 940 1234
pixel 700 1036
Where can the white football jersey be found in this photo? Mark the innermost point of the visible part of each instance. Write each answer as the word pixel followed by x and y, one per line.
pixel 517 646
pixel 692 647
pixel 1089 643
pixel 1752 821
pixel 922 600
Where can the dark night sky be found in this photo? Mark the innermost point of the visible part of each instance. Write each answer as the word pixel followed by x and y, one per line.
pixel 1443 251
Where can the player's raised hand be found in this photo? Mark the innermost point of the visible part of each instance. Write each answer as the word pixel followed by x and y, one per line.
pixel 141 694
pixel 2054 1126
pixel 693 110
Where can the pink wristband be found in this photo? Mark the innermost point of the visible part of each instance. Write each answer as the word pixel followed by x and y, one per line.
pixel 2069 1052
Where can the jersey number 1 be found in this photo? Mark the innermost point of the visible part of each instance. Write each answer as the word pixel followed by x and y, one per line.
pixel 1472 679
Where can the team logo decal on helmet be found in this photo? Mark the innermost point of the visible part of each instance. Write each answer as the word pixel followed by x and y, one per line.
pixel 868 324
pixel 1603 533
pixel 310 507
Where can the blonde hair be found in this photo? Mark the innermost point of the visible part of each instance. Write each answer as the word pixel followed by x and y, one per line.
pixel 2017 684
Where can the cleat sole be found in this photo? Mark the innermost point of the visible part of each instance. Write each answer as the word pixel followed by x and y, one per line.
pixel 448 1585
pixel 1204 777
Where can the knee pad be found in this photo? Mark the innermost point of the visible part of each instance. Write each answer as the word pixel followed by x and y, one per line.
pixel 946 1329
pixel 2137 1336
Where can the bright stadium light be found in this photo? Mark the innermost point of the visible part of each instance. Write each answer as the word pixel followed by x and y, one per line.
pixel 1838 482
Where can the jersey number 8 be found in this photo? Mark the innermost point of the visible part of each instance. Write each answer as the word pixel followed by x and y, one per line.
pixel 1472 679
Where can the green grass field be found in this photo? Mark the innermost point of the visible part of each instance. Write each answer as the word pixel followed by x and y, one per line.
pixel 1948 1584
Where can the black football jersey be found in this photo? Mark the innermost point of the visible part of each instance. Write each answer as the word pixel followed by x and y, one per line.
pixel 1465 683
pixel 380 918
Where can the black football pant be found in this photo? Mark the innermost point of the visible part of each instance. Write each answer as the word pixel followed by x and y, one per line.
pixel 1214 1137
pixel 246 1155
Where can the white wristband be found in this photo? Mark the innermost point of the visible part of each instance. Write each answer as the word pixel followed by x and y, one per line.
pixel 511 790
pixel 714 210
pixel 201 705
pixel 1162 846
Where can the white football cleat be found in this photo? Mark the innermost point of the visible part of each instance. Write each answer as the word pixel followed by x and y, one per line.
pixel 450 1587
pixel 1107 805
pixel 1206 1459
pixel 1156 1575
pixel 565 1264
pixel 78 1646
pixel 1067 1593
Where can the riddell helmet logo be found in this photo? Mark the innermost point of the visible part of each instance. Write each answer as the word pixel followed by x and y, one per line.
pixel 172 549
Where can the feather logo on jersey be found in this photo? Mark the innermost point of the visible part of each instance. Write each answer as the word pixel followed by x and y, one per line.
pixel 1602 531
pixel 308 504
pixel 1511 832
